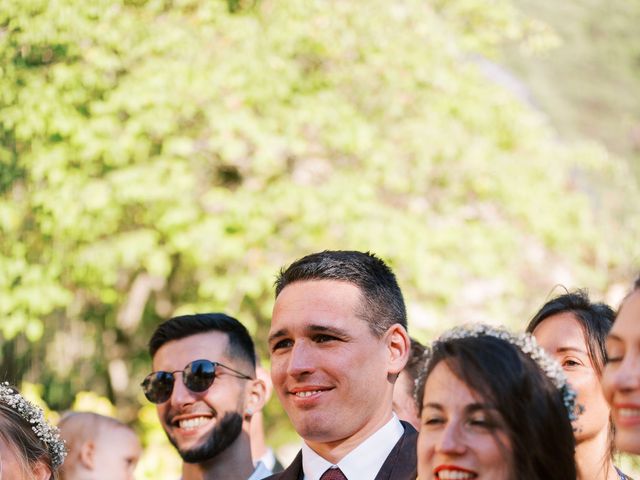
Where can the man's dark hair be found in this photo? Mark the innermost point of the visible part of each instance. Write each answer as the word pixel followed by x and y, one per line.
pixel 240 342
pixel 596 320
pixel 536 420
pixel 382 302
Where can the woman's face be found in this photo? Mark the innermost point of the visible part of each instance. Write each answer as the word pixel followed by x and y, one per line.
pixel 12 469
pixel 621 377
pixel 461 436
pixel 563 337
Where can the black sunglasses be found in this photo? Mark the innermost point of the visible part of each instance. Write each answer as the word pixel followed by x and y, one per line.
pixel 197 376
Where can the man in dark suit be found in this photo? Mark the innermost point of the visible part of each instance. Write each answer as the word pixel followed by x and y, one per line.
pixel 338 342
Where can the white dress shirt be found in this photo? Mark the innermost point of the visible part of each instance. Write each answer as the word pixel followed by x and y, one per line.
pixel 268 459
pixel 361 463
pixel 260 472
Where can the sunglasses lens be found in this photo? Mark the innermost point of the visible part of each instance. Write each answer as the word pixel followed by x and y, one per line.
pixel 199 375
pixel 158 386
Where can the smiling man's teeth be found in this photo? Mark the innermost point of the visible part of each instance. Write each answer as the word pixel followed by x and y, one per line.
pixel 193 422
pixel 307 394
pixel 454 475
pixel 629 412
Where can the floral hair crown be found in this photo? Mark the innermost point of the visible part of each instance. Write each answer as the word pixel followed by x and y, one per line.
pixel 34 415
pixel 528 345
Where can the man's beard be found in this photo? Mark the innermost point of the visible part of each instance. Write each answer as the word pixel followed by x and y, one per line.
pixel 221 436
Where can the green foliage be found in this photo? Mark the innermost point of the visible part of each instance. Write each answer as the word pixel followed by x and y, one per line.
pixel 587 83
pixel 163 157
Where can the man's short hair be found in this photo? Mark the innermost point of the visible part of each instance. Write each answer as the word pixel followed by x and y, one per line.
pixel 176 328
pixel 382 301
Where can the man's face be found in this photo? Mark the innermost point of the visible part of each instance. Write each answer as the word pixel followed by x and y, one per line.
pixel 328 369
pixel 202 424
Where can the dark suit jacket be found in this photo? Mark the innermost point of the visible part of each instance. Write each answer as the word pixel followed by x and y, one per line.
pixel 399 465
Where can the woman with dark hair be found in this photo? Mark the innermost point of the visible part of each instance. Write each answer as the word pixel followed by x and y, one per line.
pixel 30 448
pixel 621 378
pixel 573 330
pixel 494 407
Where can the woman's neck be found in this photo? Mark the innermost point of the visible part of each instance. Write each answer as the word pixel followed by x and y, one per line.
pixel 593 458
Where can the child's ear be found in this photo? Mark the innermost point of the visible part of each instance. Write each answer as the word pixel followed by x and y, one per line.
pixel 87 454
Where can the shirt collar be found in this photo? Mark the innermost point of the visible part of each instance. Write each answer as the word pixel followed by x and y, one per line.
pixel 260 472
pixel 268 458
pixel 364 461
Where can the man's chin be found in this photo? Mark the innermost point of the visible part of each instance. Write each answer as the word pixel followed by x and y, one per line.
pixel 210 442
pixel 320 434
pixel 195 455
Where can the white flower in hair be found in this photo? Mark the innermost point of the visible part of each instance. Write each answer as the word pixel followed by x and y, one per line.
pixel 528 345
pixel 34 415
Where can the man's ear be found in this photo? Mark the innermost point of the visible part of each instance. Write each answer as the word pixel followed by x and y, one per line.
pixel 398 345
pixel 256 397
pixel 87 454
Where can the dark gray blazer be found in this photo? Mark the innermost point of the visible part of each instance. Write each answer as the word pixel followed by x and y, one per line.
pixel 399 465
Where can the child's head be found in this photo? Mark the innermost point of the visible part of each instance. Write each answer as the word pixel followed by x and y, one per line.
pixel 99 447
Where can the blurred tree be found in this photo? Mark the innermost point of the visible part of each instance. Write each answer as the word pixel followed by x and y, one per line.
pixel 588 82
pixel 159 157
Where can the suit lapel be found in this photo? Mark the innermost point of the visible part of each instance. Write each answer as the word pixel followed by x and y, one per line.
pixel 401 464
pixel 293 471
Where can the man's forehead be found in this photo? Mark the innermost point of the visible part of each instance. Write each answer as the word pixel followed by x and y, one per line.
pixel 318 295
pixel 323 285
pixel 211 345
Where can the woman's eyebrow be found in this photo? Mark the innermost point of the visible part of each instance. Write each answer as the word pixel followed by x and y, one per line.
pixel 474 407
pixel 570 348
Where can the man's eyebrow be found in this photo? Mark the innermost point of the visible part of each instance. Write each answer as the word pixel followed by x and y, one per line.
pixel 311 329
pixel 326 329
pixel 436 406
pixel 277 334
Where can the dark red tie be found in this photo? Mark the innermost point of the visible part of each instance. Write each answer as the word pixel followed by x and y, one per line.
pixel 333 474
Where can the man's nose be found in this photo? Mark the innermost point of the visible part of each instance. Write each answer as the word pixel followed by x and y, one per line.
pixel 181 395
pixel 301 360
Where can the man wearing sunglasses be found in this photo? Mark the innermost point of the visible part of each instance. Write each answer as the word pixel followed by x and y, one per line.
pixel 205 389
pixel 338 341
